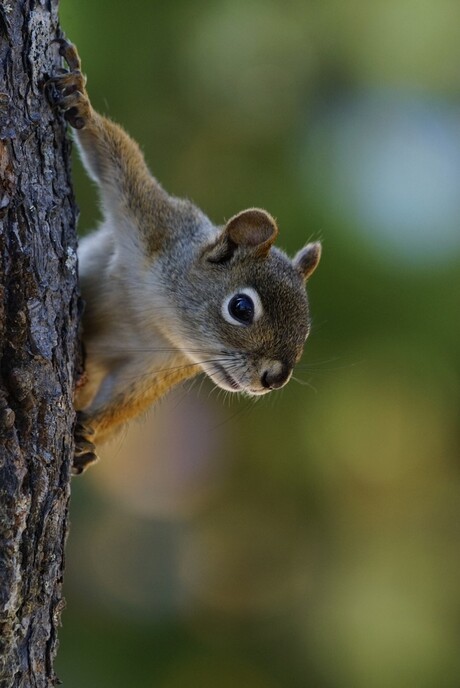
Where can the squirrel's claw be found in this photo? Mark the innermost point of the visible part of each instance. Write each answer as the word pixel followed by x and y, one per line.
pixel 81 463
pixel 85 451
pixel 66 89
pixel 69 52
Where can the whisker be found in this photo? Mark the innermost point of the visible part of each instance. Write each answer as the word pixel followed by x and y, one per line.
pixel 247 405
pixel 153 350
pixel 314 366
pixel 170 369
pixel 304 383
pixel 317 326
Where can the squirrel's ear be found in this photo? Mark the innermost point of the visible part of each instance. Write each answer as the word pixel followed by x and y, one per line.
pixel 253 228
pixel 307 259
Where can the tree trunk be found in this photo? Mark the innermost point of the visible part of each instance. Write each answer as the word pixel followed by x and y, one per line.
pixel 38 343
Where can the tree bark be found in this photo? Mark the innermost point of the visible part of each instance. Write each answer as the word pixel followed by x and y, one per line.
pixel 38 345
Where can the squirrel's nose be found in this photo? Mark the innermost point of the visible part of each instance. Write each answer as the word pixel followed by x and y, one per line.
pixel 276 376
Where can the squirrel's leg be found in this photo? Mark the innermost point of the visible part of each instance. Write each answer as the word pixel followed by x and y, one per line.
pixel 128 393
pixel 111 157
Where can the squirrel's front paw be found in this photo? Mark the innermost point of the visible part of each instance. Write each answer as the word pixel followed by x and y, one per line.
pixel 66 90
pixel 85 451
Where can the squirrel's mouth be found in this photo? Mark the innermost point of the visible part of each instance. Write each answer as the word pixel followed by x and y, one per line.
pixel 227 381
pixel 223 379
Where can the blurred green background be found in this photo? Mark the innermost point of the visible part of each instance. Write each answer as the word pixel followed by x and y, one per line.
pixel 311 539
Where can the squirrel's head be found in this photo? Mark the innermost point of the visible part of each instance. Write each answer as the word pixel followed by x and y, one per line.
pixel 244 308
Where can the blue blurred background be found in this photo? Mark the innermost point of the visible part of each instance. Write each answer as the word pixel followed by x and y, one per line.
pixel 311 539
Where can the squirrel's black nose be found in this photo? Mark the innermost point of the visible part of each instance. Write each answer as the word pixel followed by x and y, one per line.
pixel 277 376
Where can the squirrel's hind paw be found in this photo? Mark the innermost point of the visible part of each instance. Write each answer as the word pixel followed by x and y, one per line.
pixel 85 451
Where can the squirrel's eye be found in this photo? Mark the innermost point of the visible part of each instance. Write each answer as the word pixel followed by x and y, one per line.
pixel 241 308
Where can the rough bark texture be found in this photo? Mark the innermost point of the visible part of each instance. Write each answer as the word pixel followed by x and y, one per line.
pixel 38 336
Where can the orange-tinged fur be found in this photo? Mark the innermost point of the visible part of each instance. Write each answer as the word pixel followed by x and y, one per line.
pixel 136 399
pixel 169 294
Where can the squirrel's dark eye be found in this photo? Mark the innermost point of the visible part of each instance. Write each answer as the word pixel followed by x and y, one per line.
pixel 241 307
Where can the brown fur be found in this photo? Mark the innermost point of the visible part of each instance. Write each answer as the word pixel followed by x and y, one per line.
pixel 160 283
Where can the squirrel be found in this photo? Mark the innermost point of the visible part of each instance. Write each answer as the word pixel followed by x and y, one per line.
pixel 167 293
